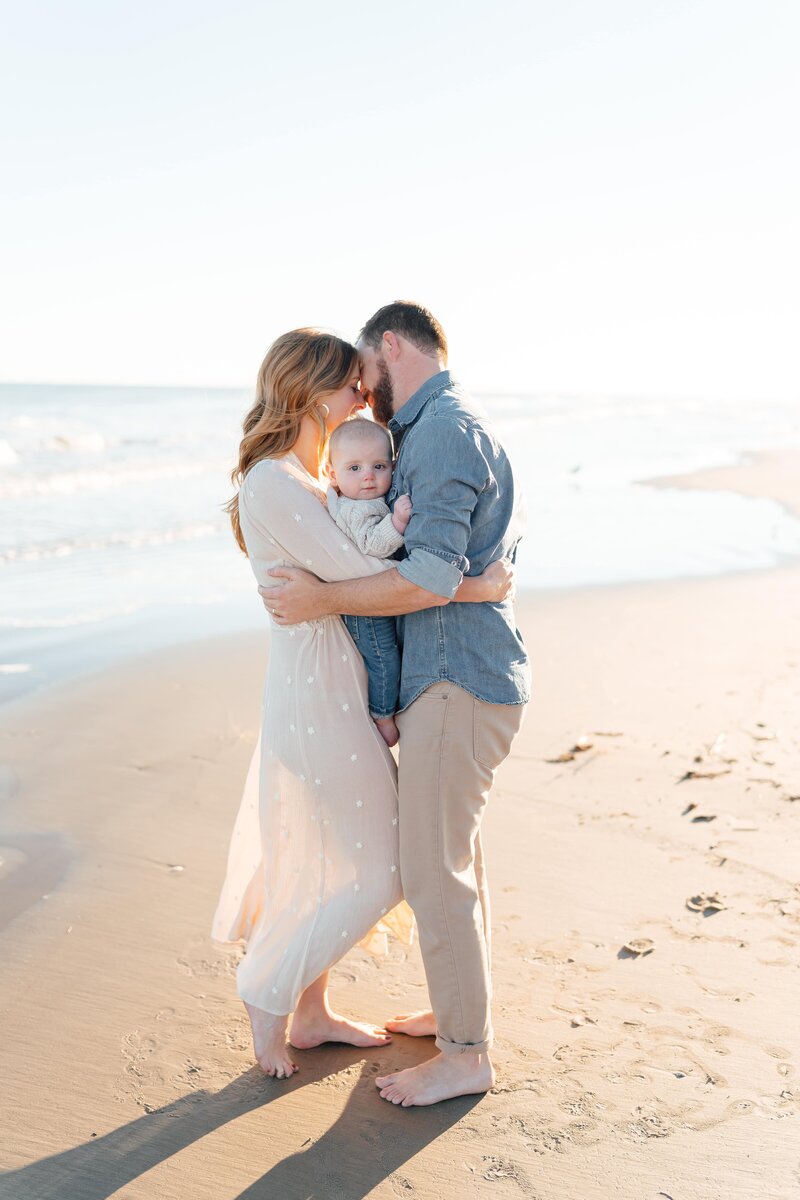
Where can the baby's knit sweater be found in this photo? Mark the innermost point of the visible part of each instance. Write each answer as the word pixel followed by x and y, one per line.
pixel 368 523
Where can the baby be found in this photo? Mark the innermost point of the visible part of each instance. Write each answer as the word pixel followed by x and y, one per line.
pixel 360 454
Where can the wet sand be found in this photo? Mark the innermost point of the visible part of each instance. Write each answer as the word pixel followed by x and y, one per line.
pixel 658 764
pixel 773 474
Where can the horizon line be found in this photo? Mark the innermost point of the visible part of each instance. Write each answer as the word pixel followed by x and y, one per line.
pixel 500 393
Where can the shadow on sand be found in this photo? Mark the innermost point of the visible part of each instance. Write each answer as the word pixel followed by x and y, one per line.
pixel 369 1141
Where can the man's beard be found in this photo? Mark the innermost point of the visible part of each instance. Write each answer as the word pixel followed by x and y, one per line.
pixel 383 395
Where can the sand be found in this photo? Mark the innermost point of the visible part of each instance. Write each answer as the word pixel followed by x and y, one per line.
pixel 127 1068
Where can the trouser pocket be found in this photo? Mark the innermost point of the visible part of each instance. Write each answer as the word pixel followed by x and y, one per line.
pixel 494 727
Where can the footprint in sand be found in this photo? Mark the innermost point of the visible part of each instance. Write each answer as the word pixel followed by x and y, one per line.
pixel 402 1186
pixel 785 1069
pixel 673 1058
pixel 196 962
pixel 496 1169
pixel 777 1051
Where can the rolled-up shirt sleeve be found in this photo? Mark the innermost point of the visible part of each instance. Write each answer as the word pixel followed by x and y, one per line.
pixel 444 472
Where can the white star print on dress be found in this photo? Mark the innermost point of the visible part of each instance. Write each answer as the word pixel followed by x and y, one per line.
pixel 289 891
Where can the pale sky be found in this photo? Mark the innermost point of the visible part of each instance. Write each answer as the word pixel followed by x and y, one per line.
pixel 594 196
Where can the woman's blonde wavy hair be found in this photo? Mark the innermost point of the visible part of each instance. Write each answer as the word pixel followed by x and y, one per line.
pixel 301 368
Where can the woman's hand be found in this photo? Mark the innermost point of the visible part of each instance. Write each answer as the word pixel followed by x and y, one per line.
pixel 495 584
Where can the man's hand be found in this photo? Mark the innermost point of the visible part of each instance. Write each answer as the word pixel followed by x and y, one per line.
pixel 301 597
pixel 499 578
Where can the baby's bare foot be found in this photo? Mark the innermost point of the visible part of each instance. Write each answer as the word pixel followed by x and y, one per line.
pixel 315 1028
pixel 416 1024
pixel 387 728
pixel 269 1043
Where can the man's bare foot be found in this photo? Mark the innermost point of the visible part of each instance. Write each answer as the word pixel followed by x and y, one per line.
pixel 314 1028
pixel 439 1078
pixel 387 728
pixel 416 1024
pixel 269 1043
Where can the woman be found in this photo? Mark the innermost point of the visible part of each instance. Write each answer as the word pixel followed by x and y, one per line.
pixel 312 868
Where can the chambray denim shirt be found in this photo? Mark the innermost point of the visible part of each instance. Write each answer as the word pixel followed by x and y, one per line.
pixel 468 511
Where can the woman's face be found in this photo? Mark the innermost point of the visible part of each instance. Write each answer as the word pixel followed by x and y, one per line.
pixel 344 403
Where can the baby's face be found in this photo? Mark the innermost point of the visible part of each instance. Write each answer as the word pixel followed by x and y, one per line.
pixel 361 469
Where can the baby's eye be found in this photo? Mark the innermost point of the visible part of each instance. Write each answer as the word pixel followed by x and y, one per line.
pixel 380 466
pixel 354 467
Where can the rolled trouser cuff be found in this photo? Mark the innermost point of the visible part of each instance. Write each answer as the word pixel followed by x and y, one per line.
pixel 448 1047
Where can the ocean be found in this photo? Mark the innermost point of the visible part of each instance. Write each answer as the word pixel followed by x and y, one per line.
pixel 113 539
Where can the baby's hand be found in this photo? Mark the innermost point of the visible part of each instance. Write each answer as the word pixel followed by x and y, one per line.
pixel 401 513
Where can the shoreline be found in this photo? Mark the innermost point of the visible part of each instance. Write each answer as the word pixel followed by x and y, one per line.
pixel 759 475
pixel 762 475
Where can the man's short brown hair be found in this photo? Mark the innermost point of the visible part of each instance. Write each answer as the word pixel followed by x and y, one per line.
pixel 413 322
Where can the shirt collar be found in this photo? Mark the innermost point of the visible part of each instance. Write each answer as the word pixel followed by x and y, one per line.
pixel 409 412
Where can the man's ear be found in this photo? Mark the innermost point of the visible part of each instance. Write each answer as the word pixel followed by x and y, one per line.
pixel 391 345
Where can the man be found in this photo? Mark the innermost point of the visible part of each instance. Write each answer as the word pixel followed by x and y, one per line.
pixel 465 678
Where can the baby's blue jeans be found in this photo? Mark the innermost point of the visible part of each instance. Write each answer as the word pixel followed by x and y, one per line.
pixel 376 639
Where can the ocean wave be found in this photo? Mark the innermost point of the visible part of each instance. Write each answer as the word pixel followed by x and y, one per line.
pixel 65 483
pixel 136 539
pixel 83 443
pixel 53 433
pixel 88 617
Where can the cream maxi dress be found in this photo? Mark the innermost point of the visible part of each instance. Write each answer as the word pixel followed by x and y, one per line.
pixel 313 865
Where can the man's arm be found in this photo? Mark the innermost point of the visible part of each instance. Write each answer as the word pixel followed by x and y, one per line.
pixel 300 596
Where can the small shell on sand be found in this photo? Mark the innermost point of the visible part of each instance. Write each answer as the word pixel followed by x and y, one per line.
pixel 706 904
pixel 639 946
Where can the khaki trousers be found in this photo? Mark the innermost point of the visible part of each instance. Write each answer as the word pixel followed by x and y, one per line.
pixel 451 744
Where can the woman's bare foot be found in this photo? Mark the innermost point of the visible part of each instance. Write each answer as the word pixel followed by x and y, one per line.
pixel 440 1078
pixel 416 1024
pixel 269 1042
pixel 313 1028
pixel 387 728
